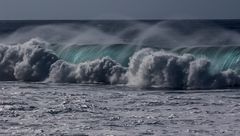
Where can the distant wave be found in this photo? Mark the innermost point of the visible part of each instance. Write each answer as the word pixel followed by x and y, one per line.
pixel 35 60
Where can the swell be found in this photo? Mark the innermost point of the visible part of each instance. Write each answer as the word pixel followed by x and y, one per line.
pixel 179 68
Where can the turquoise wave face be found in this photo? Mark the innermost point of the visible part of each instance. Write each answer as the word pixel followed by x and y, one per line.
pixel 222 58
pixel 82 53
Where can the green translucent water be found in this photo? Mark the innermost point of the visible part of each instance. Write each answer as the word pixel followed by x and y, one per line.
pixel 222 58
pixel 118 52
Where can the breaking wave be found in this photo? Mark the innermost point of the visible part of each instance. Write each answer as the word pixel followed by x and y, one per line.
pixel 164 55
pixel 182 68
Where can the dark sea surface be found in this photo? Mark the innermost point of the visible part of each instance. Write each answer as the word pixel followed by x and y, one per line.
pixel 8 26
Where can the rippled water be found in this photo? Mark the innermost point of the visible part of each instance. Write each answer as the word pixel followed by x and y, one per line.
pixel 65 109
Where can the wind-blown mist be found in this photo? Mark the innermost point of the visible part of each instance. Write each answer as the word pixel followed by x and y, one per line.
pixel 165 55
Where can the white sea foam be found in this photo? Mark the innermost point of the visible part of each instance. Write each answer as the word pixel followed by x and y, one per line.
pixel 29 61
pixel 102 70
pixel 160 68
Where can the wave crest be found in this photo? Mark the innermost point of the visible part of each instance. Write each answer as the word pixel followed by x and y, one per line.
pixel 33 61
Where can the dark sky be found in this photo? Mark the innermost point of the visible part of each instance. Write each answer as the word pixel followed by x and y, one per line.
pixel 119 9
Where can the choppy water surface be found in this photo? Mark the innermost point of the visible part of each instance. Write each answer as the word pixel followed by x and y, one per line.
pixel 53 109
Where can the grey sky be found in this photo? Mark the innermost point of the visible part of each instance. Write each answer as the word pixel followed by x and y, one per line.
pixel 119 9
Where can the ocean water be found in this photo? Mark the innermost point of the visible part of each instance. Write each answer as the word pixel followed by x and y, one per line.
pixel 119 77
pixel 104 110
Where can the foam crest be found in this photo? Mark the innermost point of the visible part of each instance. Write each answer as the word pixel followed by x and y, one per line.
pixel 102 70
pixel 167 70
pixel 29 61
